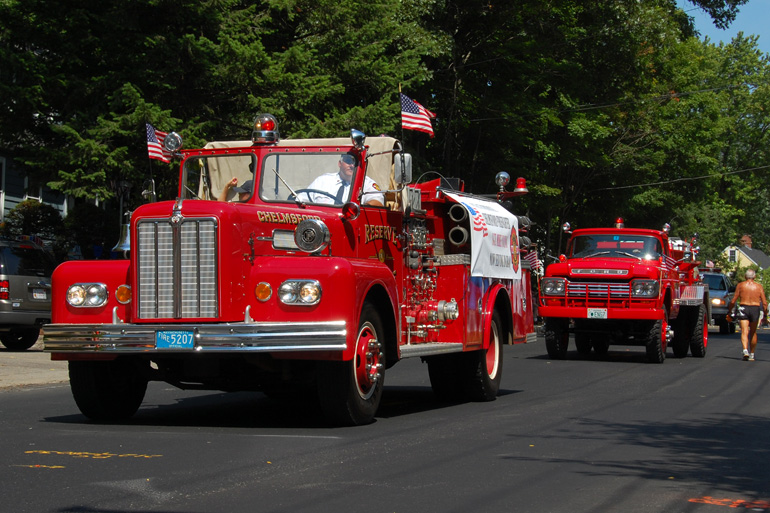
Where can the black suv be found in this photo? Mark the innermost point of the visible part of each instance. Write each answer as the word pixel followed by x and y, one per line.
pixel 720 292
pixel 25 292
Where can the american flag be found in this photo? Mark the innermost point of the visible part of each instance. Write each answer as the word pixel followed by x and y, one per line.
pixel 155 147
pixel 534 262
pixel 479 224
pixel 414 116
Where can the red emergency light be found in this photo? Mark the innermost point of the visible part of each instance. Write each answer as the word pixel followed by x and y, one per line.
pixel 265 129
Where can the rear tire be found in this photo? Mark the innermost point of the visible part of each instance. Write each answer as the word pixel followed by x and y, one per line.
pixel 107 391
pixel 556 337
pixel 583 343
pixel 485 367
pixel 443 371
pixel 350 392
pixel 681 341
pixel 699 333
pixel 601 344
pixel 20 339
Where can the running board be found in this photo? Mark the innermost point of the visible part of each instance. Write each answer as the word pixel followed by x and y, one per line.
pixel 429 349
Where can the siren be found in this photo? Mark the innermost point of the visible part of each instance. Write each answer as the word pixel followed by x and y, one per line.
pixel 521 185
pixel 620 223
pixel 265 129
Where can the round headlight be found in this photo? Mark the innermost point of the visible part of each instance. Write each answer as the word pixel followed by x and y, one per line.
pixel 76 295
pixel 311 235
pixel 553 286
pixel 96 295
pixel 310 292
pixel 288 292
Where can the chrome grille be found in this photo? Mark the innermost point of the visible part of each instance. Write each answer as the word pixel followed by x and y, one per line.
pixel 177 276
pixel 598 290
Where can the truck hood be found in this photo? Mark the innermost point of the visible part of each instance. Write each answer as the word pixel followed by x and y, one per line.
pixel 605 268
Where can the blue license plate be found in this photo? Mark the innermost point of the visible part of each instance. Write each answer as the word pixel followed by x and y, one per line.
pixel 174 340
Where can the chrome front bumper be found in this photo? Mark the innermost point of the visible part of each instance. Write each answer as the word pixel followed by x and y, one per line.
pixel 207 338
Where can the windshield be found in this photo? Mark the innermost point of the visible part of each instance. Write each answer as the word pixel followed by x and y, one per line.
pixel 714 281
pixel 320 178
pixel 27 261
pixel 615 245
pixel 311 178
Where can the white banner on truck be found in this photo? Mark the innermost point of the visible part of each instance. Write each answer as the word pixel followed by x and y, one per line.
pixel 494 234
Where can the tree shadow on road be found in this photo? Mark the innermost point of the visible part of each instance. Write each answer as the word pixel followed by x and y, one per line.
pixel 723 452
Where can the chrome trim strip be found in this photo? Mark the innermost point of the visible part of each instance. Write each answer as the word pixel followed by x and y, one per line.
pixel 229 337
pixel 430 348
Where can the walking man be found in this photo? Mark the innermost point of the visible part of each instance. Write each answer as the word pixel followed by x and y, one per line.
pixel 752 300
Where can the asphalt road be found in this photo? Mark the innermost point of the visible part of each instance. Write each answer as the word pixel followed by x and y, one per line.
pixel 579 435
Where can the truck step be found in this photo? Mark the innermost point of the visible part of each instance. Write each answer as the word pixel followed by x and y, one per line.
pixel 430 348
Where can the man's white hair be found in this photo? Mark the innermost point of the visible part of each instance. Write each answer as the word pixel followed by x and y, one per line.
pixel 750 274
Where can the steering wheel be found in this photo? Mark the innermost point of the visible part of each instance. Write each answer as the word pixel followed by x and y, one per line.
pixel 298 191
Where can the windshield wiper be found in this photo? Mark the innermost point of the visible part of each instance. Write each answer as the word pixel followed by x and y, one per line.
pixel 298 201
pixel 596 254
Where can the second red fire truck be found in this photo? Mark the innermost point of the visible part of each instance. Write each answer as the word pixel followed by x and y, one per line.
pixel 625 286
pixel 296 290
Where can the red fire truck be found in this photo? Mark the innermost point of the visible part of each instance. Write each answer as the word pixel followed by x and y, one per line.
pixel 296 290
pixel 625 286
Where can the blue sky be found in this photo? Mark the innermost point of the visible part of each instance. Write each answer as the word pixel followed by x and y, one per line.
pixel 753 18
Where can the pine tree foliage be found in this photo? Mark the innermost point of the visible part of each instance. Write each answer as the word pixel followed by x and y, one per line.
pixel 608 108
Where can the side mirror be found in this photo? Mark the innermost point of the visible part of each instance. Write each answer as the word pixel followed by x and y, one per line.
pixel 402 168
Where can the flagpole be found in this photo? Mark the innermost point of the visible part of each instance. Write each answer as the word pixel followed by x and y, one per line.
pixel 399 109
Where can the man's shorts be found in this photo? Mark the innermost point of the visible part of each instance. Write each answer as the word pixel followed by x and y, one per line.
pixel 748 313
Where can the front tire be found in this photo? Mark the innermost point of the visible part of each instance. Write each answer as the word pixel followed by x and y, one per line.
pixel 656 341
pixel 350 392
pixel 556 338
pixel 107 391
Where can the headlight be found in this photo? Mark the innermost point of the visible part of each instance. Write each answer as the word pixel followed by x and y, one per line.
pixel 553 286
pixel 644 288
pixel 300 292
pixel 87 295
pixel 311 235
pixel 718 301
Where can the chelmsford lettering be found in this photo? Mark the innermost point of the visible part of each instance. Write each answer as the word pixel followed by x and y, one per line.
pixel 375 232
pixel 282 218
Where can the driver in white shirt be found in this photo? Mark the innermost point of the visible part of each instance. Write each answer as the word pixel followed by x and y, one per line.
pixel 337 185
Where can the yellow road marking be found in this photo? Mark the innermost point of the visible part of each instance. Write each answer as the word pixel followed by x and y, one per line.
pixel 95 455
